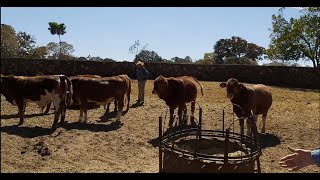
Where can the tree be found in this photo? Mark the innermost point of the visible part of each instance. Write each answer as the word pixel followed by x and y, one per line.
pixel 59 29
pixel 134 49
pixel 108 60
pixel 148 56
pixel 93 58
pixel 236 47
pixel 186 60
pixel 296 39
pixel 208 58
pixel 40 52
pixel 9 41
pixel 64 52
pixel 239 60
pixel 26 44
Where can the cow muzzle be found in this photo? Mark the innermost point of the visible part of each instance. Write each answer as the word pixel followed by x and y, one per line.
pixel 230 96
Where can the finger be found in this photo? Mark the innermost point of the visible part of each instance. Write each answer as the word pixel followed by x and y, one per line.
pixel 296 168
pixel 290 161
pixel 288 165
pixel 290 156
pixel 292 150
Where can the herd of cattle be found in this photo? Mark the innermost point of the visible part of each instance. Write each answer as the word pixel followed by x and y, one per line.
pixel 62 91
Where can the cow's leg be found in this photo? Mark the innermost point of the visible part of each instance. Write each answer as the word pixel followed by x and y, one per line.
pixel 57 110
pixel 81 114
pixel 47 109
pixel 108 108
pixel 180 114
pixel 128 102
pixel 85 110
pixel 63 113
pixel 264 118
pixel 193 107
pixel 171 116
pixel 248 127
pixel 120 108
pixel 115 105
pixel 185 116
pixel 241 122
pixel 21 107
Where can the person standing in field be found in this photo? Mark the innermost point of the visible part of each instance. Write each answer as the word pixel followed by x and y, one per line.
pixel 142 77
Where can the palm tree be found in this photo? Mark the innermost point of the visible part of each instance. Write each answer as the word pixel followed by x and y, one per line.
pixel 59 29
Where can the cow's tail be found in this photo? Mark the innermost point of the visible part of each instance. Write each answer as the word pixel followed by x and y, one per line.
pixel 201 87
pixel 69 89
pixel 129 91
pixel 127 81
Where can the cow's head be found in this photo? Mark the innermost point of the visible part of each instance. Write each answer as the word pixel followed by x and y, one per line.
pixel 159 85
pixel 233 87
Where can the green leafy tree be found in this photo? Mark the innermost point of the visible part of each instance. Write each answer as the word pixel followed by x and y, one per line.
pixel 208 58
pixel 236 47
pixel 186 60
pixel 148 56
pixel 40 52
pixel 296 39
pixel 59 29
pixel 240 60
pixel 26 44
pixel 64 52
pixel 9 41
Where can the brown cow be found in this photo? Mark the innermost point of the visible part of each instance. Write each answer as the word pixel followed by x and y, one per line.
pixel 99 90
pixel 176 92
pixel 257 98
pixel 49 105
pixel 128 81
pixel 19 90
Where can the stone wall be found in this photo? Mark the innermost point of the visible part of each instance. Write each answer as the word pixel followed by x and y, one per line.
pixel 296 77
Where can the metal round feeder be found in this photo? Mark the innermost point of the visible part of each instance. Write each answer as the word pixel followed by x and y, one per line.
pixel 187 149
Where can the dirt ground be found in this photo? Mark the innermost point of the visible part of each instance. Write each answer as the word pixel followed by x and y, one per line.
pixel 100 146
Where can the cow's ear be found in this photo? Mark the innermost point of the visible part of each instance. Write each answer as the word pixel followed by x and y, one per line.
pixel 166 81
pixel 223 85
pixel 242 86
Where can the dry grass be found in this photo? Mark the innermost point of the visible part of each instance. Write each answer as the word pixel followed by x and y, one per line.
pixel 101 147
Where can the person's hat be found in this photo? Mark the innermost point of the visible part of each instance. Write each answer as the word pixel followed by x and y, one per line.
pixel 139 63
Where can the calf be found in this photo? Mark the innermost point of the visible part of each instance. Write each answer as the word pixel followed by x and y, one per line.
pixel 42 90
pixel 176 92
pixel 101 90
pixel 257 98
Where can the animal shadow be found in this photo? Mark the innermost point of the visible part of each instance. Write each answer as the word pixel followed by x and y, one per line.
pixel 269 140
pixel 27 132
pixel 9 116
pixel 135 105
pixel 107 116
pixel 93 127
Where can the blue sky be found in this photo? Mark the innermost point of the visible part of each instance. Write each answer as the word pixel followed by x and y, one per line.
pixel 108 32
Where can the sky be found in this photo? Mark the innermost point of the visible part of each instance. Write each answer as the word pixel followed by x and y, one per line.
pixel 108 32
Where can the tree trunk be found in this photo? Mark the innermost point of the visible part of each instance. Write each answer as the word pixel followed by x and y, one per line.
pixel 60 46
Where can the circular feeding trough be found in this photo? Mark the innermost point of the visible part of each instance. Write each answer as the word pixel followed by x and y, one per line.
pixel 195 150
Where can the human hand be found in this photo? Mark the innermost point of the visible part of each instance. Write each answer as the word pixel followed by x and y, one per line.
pixel 299 159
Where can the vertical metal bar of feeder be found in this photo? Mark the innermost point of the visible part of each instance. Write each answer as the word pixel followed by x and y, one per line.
pixel 251 120
pixel 160 144
pixel 200 122
pixel 223 122
pixel 226 147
